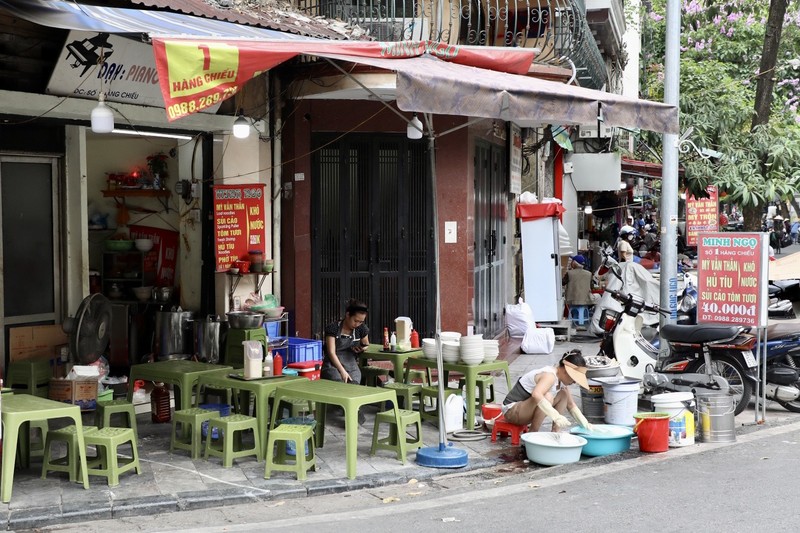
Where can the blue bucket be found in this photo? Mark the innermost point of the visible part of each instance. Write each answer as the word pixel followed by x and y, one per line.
pixel 300 421
pixel 224 410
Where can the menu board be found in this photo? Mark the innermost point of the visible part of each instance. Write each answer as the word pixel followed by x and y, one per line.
pixel 239 222
pixel 702 214
pixel 731 287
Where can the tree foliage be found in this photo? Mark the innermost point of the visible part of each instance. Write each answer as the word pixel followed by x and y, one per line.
pixel 721 45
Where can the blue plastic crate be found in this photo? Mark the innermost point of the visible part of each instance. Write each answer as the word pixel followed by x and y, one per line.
pixel 273 329
pixel 301 350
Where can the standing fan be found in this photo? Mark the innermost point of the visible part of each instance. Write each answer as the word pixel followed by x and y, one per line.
pixel 89 330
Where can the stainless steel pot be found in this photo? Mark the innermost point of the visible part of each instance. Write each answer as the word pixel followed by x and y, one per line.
pixel 173 333
pixel 209 338
pixel 245 319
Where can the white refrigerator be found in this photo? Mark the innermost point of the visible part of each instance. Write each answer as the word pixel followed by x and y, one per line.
pixel 541 268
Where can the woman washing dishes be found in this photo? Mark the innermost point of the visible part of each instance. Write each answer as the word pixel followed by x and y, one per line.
pixel 543 392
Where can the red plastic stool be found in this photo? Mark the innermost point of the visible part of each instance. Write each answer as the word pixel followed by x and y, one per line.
pixel 515 430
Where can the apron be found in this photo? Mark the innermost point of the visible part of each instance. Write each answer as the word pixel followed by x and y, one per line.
pixel 347 357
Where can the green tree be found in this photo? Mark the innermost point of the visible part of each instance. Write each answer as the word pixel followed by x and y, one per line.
pixel 750 117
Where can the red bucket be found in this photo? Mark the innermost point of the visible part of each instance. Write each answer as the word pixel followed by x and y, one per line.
pixel 652 430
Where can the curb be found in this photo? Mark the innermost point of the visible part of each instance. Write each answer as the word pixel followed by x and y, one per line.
pixel 72 512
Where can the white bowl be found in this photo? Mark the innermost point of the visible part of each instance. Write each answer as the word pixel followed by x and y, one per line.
pixel 143 245
pixel 143 293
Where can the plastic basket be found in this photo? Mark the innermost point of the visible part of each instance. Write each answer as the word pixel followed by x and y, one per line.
pixel 300 350
pixel 224 410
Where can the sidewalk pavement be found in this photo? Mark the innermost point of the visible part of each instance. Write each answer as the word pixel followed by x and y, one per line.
pixel 175 482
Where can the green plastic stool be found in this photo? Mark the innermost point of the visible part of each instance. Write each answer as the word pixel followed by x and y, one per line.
pixel 419 375
pixel 482 381
pixel 69 463
pixel 190 437
pixel 295 406
pixel 405 392
pixel 399 445
pixel 432 394
pixel 230 434
pixel 105 410
pixel 37 446
pixel 110 465
pixel 29 377
pixel 299 434
pixel 370 375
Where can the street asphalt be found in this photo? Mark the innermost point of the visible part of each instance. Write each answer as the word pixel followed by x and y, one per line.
pixel 175 483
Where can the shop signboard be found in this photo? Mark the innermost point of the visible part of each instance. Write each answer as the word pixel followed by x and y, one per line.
pixel 162 259
pixel 702 214
pixel 123 68
pixel 515 159
pixel 731 278
pixel 239 222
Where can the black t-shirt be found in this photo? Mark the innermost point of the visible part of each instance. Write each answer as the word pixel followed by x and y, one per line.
pixel 334 328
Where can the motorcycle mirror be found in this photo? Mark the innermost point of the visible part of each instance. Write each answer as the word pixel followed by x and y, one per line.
pixel 615 268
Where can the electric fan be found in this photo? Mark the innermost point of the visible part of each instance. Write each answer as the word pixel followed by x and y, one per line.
pixel 89 330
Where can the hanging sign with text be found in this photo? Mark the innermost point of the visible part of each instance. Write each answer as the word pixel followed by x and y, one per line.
pixel 731 287
pixel 702 215
pixel 239 222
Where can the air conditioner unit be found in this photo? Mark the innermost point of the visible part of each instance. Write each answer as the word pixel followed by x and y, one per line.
pixel 590 131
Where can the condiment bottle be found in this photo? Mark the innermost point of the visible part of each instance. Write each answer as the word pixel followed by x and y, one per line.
pixel 277 364
pixel 268 364
pixel 414 339
pixel 393 342
pixel 386 339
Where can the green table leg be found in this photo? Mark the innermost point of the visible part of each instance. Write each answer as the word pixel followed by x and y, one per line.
pixel 9 458
pixel 320 415
pixel 82 450
pixel 351 437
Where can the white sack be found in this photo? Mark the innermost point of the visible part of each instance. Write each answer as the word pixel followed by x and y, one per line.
pixel 538 341
pixel 519 319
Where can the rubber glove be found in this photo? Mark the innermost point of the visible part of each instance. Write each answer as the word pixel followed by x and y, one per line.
pixel 578 416
pixel 557 418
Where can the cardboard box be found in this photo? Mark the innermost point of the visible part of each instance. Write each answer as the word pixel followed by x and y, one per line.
pixel 80 392
pixel 35 342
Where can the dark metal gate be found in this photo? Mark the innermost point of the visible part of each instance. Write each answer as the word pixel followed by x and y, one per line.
pixel 491 200
pixel 372 230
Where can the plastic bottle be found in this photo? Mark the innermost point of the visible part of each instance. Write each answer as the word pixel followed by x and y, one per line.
pixel 268 364
pixel 159 404
pixel 277 364
pixel 414 339
pixel 385 339
pixel 393 342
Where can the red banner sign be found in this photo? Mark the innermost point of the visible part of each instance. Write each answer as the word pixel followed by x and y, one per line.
pixel 197 74
pixel 163 258
pixel 702 215
pixel 239 222
pixel 730 285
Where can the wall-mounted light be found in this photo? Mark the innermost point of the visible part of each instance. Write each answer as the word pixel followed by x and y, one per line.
pixel 414 128
pixel 241 127
pixel 102 116
pixel 587 209
pixel 623 185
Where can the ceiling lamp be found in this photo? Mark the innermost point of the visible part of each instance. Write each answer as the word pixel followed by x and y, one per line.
pixel 414 128
pixel 102 116
pixel 587 209
pixel 241 127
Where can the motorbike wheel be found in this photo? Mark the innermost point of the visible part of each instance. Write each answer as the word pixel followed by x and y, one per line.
pixel 733 373
pixel 791 406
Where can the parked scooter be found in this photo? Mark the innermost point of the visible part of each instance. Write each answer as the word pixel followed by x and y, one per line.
pixel 712 358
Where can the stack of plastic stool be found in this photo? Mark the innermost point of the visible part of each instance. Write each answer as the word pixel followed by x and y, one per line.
pixel 579 314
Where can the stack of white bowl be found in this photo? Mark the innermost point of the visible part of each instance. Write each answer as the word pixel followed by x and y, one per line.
pixel 429 348
pixel 491 349
pixel 450 351
pixel 450 336
pixel 472 349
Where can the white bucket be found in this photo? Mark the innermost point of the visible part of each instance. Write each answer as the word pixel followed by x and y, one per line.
pixel 680 406
pixel 621 402
pixel 453 413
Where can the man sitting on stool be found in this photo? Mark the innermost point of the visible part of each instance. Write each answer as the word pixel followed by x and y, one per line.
pixel 578 282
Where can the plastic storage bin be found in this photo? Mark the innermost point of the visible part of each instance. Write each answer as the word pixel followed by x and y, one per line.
pixel 300 350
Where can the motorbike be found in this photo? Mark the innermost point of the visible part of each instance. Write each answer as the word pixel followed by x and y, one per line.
pixel 711 358
pixel 783 351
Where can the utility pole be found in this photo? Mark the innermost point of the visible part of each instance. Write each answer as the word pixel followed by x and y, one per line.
pixel 669 170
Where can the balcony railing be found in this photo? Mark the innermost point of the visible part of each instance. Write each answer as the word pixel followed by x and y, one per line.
pixel 558 28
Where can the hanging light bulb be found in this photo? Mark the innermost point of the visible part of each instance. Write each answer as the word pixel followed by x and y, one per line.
pixel 587 209
pixel 102 116
pixel 414 128
pixel 241 127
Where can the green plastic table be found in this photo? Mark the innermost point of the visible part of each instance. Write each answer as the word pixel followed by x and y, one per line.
pixel 18 410
pixel 470 373
pixel 398 359
pixel 181 373
pixel 346 395
pixel 261 389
